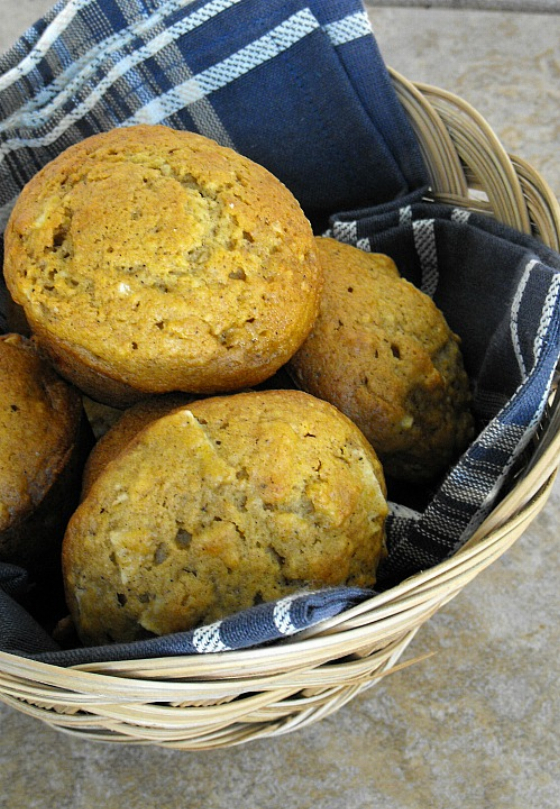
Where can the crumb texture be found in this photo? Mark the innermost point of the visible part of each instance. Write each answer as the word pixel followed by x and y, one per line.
pixel 236 500
pixel 124 428
pixel 162 261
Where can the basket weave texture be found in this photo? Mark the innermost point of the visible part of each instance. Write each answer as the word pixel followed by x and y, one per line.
pixel 224 699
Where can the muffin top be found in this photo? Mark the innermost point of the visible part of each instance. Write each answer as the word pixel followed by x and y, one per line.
pixel 164 260
pixel 39 419
pixel 220 505
pixel 129 423
pixel 382 352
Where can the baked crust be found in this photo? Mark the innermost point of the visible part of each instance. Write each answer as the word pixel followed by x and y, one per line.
pixel 382 352
pixel 220 505
pixel 150 260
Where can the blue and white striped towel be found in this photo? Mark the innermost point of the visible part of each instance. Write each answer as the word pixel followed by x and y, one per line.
pixel 299 86
pixel 296 85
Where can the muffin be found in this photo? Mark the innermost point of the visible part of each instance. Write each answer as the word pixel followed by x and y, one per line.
pixel 44 440
pixel 124 429
pixel 382 352
pixel 150 260
pixel 229 502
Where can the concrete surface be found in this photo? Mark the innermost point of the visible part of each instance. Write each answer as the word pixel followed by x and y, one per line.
pixel 522 6
pixel 477 725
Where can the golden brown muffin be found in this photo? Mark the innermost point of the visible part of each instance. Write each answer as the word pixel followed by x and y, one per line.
pixel 383 353
pixel 150 260
pixel 43 445
pixel 123 430
pixel 220 505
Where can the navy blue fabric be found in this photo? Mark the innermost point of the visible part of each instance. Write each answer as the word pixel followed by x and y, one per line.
pixel 19 631
pixel 302 88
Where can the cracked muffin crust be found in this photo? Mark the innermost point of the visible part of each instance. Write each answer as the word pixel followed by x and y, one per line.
pixel 220 505
pixel 125 428
pixel 382 352
pixel 149 260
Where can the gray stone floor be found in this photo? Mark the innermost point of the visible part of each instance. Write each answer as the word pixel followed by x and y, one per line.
pixel 476 726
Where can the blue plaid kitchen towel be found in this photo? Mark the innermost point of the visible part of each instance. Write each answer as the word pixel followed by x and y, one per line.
pixel 301 87
pixel 296 85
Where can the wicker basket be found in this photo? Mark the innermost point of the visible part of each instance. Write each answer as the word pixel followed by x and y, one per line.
pixel 218 700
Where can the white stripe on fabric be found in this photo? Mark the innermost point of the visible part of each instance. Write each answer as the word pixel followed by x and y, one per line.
pixel 460 215
pixel 524 436
pixel 549 308
pixel 126 65
pixel 500 436
pixel 208 639
pixel 402 512
pixel 488 501
pixel 69 83
pixel 349 28
pixel 281 616
pixel 270 45
pixel 50 35
pixel 425 243
pixel 514 323
pixel 364 244
pixel 267 47
pixel 468 484
pixel 405 216
pixel 204 115
pixel 346 231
